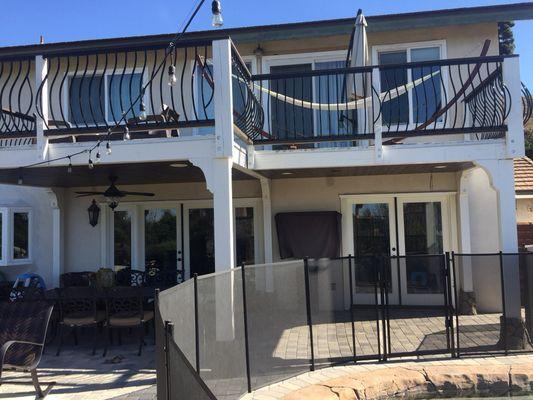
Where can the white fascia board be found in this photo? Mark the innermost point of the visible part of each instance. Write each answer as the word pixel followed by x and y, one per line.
pixel 392 155
pixel 132 151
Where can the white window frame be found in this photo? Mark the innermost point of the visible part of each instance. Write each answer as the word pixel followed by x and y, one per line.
pixel 8 236
pixel 100 72
pixel 407 47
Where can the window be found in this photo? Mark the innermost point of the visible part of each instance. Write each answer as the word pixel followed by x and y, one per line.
pixel 15 235
pixel 103 98
pixel 420 103
pixel 122 238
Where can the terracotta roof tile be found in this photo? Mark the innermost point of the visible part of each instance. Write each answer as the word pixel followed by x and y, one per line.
pixel 523 174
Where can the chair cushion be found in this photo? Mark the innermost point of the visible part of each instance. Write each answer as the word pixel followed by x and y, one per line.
pixel 82 319
pixel 127 319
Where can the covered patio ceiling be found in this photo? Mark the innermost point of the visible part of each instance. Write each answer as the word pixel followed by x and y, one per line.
pixel 367 170
pixel 127 174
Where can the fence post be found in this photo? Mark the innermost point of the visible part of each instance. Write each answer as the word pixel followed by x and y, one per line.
pixel 456 305
pixel 447 301
pixel 168 331
pixel 308 309
pixel 245 317
pixel 196 328
pixel 384 310
pixel 503 322
pixel 351 306
pixel 376 301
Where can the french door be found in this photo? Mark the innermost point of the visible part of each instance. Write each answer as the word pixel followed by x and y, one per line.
pixel 403 237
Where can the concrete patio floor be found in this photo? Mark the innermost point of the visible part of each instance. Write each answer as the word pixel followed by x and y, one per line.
pixel 80 375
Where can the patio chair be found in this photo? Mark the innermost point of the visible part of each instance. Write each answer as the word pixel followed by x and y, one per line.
pixel 77 279
pixel 125 309
pixel 22 334
pixel 130 277
pixel 78 308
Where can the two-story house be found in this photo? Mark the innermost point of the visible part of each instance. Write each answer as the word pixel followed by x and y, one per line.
pixel 261 143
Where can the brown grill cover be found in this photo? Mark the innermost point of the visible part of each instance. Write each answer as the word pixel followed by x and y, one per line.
pixel 309 234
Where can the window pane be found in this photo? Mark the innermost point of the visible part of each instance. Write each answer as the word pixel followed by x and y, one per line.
pixel 244 226
pixel 123 89
pixel 205 102
pixel 396 110
pixel 160 239
pixel 288 121
pixel 122 238
pixel 20 236
pixel 86 100
pixel 1 231
pixel 371 238
pixel 329 90
pixel 201 241
pixel 423 235
pixel 427 97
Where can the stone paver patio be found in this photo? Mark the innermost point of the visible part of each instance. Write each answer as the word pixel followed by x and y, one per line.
pixel 80 375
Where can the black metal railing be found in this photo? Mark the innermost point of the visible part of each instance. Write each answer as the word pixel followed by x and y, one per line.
pixel 17 89
pixel 249 327
pixel 427 98
pixel 90 92
pixel 527 103
pixel 247 111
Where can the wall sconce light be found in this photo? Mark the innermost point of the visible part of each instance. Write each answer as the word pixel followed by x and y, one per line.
pixel 94 213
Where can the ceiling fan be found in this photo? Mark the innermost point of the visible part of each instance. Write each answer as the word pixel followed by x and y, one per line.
pixel 113 194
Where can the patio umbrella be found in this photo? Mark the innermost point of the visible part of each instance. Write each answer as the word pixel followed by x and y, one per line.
pixel 357 83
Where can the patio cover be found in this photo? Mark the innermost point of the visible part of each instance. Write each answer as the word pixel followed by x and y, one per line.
pixel 309 234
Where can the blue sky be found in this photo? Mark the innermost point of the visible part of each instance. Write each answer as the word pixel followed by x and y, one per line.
pixel 22 22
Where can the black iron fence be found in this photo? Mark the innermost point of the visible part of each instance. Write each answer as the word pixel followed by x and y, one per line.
pixel 248 327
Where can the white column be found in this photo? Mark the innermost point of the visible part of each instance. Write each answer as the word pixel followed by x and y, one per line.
pixel 222 189
pixel 57 238
pixel 515 124
pixel 464 223
pixel 376 114
pixel 41 70
pixel 501 173
pixel 267 233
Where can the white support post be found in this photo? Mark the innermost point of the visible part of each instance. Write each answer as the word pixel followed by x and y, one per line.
pixel 501 173
pixel 57 238
pixel 376 115
pixel 464 222
pixel 222 188
pixel 41 71
pixel 267 236
pixel 515 124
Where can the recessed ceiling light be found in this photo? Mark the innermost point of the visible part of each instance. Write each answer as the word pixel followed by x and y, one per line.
pixel 179 165
pixel 287 173
pixel 440 166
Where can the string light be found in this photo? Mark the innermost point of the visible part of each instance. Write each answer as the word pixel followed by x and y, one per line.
pixel 142 113
pixel 172 80
pixel 97 154
pixel 126 133
pixel 216 8
pixel 91 164
pixel 69 168
pixel 20 181
pixel 108 148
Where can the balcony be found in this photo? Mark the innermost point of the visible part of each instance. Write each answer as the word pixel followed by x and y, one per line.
pixel 127 93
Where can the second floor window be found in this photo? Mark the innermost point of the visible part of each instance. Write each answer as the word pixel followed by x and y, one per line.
pixel 419 104
pixel 94 100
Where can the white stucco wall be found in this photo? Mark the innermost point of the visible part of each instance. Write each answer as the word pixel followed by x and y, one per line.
pixel 41 235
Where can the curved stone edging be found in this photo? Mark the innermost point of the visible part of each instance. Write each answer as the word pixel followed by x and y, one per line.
pixel 423 382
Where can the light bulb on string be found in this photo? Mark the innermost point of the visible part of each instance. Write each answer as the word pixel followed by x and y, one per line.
pixel 216 8
pixel 172 80
pixel 142 111
pixel 91 164
pixel 20 180
pixel 108 148
pixel 127 133
pixel 69 168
